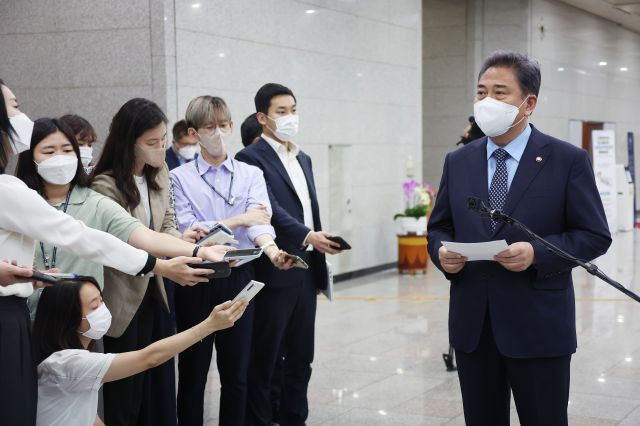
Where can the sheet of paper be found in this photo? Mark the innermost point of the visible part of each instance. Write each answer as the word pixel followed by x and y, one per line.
pixel 477 251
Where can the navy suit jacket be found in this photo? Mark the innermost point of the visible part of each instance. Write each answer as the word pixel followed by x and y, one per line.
pixel 288 216
pixel 554 193
pixel 172 159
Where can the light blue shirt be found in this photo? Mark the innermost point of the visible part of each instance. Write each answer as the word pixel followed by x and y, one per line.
pixel 515 148
pixel 197 204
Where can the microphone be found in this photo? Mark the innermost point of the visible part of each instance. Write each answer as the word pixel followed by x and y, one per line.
pixel 477 205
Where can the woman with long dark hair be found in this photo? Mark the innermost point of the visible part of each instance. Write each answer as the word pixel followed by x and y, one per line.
pixel 24 219
pixel 132 171
pixel 71 316
pixel 6 130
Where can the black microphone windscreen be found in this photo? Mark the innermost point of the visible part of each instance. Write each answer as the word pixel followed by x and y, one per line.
pixel 474 203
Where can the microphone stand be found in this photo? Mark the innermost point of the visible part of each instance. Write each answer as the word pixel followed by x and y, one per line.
pixel 498 216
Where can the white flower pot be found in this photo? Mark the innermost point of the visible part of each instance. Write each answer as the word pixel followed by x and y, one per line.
pixel 411 225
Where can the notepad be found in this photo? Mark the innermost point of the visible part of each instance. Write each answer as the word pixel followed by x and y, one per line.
pixel 477 251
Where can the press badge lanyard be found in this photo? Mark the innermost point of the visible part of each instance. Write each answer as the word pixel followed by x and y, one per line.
pixel 228 199
pixel 45 260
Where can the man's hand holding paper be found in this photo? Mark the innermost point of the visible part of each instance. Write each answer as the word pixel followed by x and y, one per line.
pixel 515 257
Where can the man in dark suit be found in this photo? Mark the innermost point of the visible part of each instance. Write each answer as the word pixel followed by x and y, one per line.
pixel 286 307
pixel 512 320
pixel 184 147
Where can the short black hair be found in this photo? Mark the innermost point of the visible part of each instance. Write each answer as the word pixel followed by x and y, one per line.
pixel 250 129
pixel 58 317
pixel 27 169
pixel 268 92
pixel 180 130
pixel 80 126
pixel 526 69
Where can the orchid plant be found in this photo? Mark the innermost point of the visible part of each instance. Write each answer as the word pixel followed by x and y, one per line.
pixel 418 199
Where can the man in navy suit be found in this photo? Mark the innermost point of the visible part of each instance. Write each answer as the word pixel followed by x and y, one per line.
pixel 184 147
pixel 286 308
pixel 512 320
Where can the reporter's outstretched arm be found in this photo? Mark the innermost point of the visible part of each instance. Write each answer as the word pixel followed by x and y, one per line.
pixel 129 363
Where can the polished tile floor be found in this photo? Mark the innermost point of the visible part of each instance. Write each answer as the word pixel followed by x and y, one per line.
pixel 379 348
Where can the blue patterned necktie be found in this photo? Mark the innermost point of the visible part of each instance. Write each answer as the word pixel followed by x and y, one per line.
pixel 498 189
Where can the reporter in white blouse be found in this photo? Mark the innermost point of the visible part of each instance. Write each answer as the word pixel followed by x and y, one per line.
pixel 71 315
pixel 25 217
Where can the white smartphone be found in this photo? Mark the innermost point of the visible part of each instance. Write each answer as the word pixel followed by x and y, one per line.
pixel 249 291
pixel 217 236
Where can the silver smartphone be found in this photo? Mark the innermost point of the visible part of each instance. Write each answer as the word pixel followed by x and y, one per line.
pixel 242 254
pixel 249 291
pixel 297 261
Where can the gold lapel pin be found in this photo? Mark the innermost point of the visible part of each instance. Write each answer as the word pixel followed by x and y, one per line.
pixel 538 159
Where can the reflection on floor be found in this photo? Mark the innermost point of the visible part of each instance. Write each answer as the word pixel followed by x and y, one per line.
pixel 379 351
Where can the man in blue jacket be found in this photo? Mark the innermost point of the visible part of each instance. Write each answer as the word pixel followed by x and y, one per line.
pixel 512 320
pixel 285 309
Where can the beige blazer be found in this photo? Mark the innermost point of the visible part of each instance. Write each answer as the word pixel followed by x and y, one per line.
pixel 123 293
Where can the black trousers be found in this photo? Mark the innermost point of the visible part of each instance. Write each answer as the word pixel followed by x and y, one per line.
pixel 148 398
pixel 540 386
pixel 18 379
pixel 276 387
pixel 284 325
pixel 233 348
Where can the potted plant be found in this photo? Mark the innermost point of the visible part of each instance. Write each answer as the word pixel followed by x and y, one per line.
pixel 418 198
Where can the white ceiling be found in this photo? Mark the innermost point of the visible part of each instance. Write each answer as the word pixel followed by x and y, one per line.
pixel 623 12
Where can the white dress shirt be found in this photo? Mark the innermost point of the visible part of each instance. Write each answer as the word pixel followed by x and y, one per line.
pixel 26 217
pixel 296 174
pixel 143 189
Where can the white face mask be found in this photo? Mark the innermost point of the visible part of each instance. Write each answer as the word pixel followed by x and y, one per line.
pixel 59 169
pixel 24 128
pixel 189 152
pixel 286 127
pixel 86 155
pixel 214 142
pixel 99 323
pixel 495 117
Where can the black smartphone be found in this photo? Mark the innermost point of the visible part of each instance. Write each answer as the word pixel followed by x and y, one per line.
pixel 343 244
pixel 297 261
pixel 242 254
pixel 220 269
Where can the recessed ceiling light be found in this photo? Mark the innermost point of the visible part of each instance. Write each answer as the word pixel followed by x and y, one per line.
pixel 165 18
pixel 221 54
pixel 560 69
pixel 359 74
pixel 624 69
pixel 195 5
pixel 382 412
pixel 583 72
pixel 602 63
pixel 310 11
pixel 628 359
